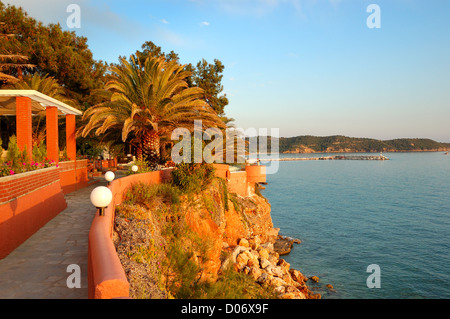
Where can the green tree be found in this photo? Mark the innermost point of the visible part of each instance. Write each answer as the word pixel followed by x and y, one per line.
pixel 60 54
pixel 209 76
pixel 150 49
pixel 11 61
pixel 147 102
pixel 45 84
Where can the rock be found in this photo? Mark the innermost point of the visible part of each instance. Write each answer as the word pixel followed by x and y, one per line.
pixel 263 253
pixel 279 290
pixel 276 271
pixel 300 295
pixel 298 276
pixel 232 257
pixel 283 264
pixel 252 260
pixel 314 278
pixel 255 242
pixel 312 295
pixel 291 289
pixel 237 251
pixel 283 245
pixel 265 277
pixel 293 295
pixel 255 272
pixel 275 281
pixel 241 260
pixel 269 269
pixel 273 258
pixel 289 295
pixel 287 277
pixel 272 234
pixel 268 246
pixel 264 263
pixel 244 242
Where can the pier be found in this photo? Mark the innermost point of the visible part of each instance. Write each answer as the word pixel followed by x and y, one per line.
pixel 335 157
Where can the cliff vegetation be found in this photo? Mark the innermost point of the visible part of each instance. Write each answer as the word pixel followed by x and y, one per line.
pixel 191 238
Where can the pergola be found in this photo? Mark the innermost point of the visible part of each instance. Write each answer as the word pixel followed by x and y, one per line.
pixel 26 103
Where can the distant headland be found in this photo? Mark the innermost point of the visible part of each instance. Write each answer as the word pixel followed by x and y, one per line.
pixel 344 144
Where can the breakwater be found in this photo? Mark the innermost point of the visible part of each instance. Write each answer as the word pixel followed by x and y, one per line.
pixel 335 157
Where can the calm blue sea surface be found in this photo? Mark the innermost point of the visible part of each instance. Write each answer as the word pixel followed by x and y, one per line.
pixel 350 214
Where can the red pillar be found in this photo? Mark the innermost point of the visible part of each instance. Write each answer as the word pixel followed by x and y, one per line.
pixel 23 124
pixel 71 146
pixel 51 116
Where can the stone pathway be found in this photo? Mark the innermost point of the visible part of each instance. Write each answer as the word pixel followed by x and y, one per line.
pixel 38 268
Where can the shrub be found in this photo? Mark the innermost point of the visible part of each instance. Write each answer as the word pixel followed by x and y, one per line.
pixel 14 155
pixel 144 194
pixel 143 167
pixel 236 285
pixel 39 152
pixel 192 177
pixel 185 282
pixel 18 162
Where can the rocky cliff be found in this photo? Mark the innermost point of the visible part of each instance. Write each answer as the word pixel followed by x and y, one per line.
pixel 163 242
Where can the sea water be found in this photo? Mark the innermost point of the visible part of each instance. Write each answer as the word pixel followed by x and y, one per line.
pixel 350 214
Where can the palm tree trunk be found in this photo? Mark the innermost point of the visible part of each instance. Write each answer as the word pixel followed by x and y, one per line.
pixel 150 147
pixel 139 154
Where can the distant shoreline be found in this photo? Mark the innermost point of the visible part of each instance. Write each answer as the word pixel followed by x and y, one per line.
pixel 386 151
pixel 331 158
pixel 349 152
pixel 307 144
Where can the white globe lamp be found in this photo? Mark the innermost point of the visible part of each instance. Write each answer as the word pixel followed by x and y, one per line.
pixel 109 176
pixel 101 197
pixel 134 168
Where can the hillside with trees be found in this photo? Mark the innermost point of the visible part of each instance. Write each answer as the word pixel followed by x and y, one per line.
pixel 339 144
pixel 60 64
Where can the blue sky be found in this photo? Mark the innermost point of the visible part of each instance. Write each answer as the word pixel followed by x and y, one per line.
pixel 307 67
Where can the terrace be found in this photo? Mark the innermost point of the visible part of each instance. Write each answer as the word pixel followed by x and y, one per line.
pixel 29 200
pixel 52 206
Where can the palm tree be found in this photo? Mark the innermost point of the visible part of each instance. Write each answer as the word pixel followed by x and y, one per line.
pixel 147 102
pixel 45 84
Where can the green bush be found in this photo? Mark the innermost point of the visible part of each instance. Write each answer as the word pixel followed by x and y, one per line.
pixel 144 194
pixel 186 283
pixel 14 155
pixel 143 167
pixel 16 161
pixel 186 272
pixel 192 177
pixel 39 152
pixel 235 285
pixel 19 162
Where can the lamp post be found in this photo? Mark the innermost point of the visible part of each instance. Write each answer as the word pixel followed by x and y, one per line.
pixel 109 176
pixel 134 168
pixel 101 197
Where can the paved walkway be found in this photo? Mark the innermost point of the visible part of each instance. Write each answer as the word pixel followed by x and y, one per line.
pixel 38 268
